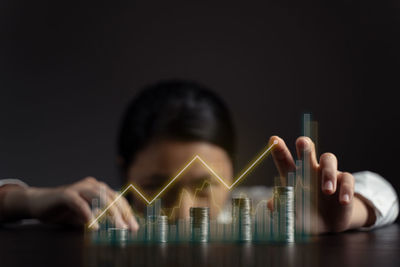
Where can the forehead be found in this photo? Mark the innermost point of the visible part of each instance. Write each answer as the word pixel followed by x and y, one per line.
pixel 169 157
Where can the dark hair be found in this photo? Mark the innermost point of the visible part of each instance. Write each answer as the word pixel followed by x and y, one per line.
pixel 177 110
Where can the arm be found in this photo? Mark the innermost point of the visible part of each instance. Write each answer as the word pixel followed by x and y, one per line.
pixel 379 196
pixel 362 215
pixel 65 204
pixel 12 203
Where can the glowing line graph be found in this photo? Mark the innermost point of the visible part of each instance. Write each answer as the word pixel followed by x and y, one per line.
pixel 149 202
pixel 193 199
pixel 201 188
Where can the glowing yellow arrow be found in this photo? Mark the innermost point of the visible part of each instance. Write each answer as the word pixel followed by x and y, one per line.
pixel 131 186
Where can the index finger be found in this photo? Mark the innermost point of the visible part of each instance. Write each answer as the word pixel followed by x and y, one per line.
pixel 282 157
pixel 306 148
pixel 127 214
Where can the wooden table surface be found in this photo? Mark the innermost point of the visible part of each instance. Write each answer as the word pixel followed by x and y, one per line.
pixel 43 245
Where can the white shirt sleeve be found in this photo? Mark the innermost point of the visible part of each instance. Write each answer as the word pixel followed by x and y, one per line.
pixel 380 194
pixel 12 181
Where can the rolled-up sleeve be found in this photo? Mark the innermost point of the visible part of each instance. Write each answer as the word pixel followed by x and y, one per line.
pixel 3 190
pixel 380 195
pixel 12 181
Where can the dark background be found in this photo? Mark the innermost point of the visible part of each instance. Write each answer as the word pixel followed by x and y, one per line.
pixel 68 68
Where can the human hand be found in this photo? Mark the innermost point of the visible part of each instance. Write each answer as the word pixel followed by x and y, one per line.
pixel 70 204
pixel 334 206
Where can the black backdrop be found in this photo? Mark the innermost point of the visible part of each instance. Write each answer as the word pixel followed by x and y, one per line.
pixel 68 68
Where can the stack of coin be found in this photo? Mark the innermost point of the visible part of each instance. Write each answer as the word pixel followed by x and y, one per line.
pixel 157 228
pixel 200 224
pixel 151 228
pixel 262 223
pixel 117 235
pixel 162 229
pixel 284 218
pixel 241 219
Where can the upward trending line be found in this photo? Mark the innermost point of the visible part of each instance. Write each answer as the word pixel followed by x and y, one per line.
pixel 149 202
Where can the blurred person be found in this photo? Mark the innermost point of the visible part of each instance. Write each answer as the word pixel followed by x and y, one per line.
pixel 163 127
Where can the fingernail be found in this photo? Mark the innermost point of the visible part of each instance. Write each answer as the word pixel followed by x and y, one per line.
pixel 346 198
pixel 328 185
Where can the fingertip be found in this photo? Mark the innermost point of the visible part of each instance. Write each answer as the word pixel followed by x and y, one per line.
pixel 346 188
pixel 133 224
pixel 119 223
pixel 328 188
pixel 94 227
pixel 274 140
pixel 280 150
pixel 93 222
pixel 345 199
pixel 270 205
pixel 303 143
pixel 328 192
